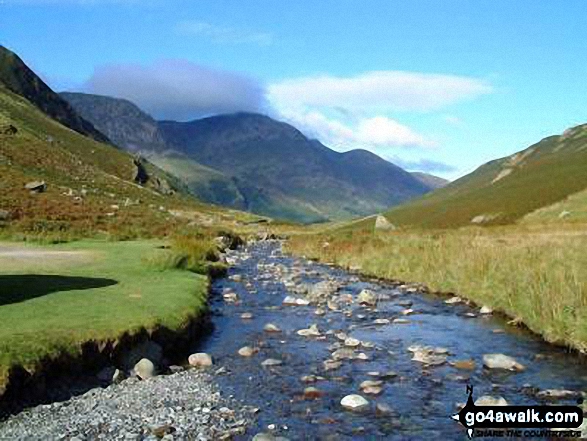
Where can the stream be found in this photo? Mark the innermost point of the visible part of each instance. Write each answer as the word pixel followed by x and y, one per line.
pixel 408 398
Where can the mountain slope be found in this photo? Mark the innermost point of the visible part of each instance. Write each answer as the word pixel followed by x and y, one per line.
pixel 89 187
pixel 505 190
pixel 134 130
pixel 124 123
pixel 281 173
pixel 16 76
pixel 431 180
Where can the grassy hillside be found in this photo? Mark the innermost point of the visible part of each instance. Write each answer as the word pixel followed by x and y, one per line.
pixel 17 77
pixel 90 188
pixel 204 182
pixel 431 180
pixel 505 190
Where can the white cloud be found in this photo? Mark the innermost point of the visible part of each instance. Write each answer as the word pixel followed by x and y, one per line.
pixel 223 34
pixel 361 111
pixel 383 90
pixel 179 89
pixel 376 133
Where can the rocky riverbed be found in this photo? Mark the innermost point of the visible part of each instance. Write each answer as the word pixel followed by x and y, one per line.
pixel 185 405
pixel 306 351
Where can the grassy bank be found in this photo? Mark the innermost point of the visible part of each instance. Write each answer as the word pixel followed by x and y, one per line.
pixel 53 298
pixel 535 274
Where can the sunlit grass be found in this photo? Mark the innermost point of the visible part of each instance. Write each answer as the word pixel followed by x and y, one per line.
pixel 535 274
pixel 134 297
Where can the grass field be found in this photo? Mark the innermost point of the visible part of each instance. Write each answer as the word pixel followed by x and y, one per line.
pixel 537 274
pixel 54 298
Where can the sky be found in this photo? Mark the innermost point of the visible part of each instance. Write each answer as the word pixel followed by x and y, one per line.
pixel 435 86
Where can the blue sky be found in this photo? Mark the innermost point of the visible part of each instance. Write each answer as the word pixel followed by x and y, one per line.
pixel 442 86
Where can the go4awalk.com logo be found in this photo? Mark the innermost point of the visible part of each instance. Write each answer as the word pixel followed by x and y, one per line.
pixel 520 421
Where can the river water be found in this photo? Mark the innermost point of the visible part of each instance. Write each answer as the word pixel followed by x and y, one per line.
pixel 416 399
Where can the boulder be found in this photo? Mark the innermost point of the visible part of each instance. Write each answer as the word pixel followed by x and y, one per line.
pixel 558 394
pixel 354 402
pixel 501 361
pixel 486 310
pixel 312 393
pixel 246 351
pixel 36 186
pixel 312 331
pixel 147 349
pixel 270 327
pixel 271 362
pixel 367 297
pixel 200 360
pixel 10 130
pixel 382 224
pixel 488 400
pixel 4 215
pixel 140 175
pixel 144 369
pixel 428 355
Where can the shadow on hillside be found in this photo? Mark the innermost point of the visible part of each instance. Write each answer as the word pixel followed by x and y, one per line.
pixel 19 288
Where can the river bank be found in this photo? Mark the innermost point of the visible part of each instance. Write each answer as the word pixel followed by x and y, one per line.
pixel 294 340
pixel 533 274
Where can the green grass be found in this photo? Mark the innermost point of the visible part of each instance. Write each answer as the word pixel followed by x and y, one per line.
pixel 505 190
pixel 535 274
pixel 52 304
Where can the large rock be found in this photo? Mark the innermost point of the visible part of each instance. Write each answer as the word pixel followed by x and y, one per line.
pixel 36 186
pixel 140 175
pixel 367 297
pixel 488 400
pixel 147 349
pixel 428 355
pixel 354 402
pixel 382 224
pixel 501 361
pixel 200 360
pixel 4 215
pixel 145 369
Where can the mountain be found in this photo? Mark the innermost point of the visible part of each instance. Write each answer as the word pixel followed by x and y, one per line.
pixel 431 180
pixel 283 174
pixel 505 190
pixel 56 182
pixel 125 124
pixel 16 76
pixel 134 130
pixel 252 162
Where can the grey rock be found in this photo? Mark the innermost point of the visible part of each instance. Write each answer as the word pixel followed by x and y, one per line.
pixel 145 369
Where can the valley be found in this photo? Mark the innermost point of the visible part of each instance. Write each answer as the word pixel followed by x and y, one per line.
pixel 190 252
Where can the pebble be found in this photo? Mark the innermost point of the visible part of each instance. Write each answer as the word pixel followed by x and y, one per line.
pixel 354 402
pixel 501 361
pixel 270 362
pixel 200 360
pixel 488 400
pixel 246 351
pixel 270 327
pixel 133 410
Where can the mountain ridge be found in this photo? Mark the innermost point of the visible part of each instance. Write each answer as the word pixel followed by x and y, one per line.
pixel 20 79
pixel 262 165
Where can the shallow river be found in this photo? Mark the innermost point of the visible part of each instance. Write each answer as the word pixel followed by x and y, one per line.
pixel 416 399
